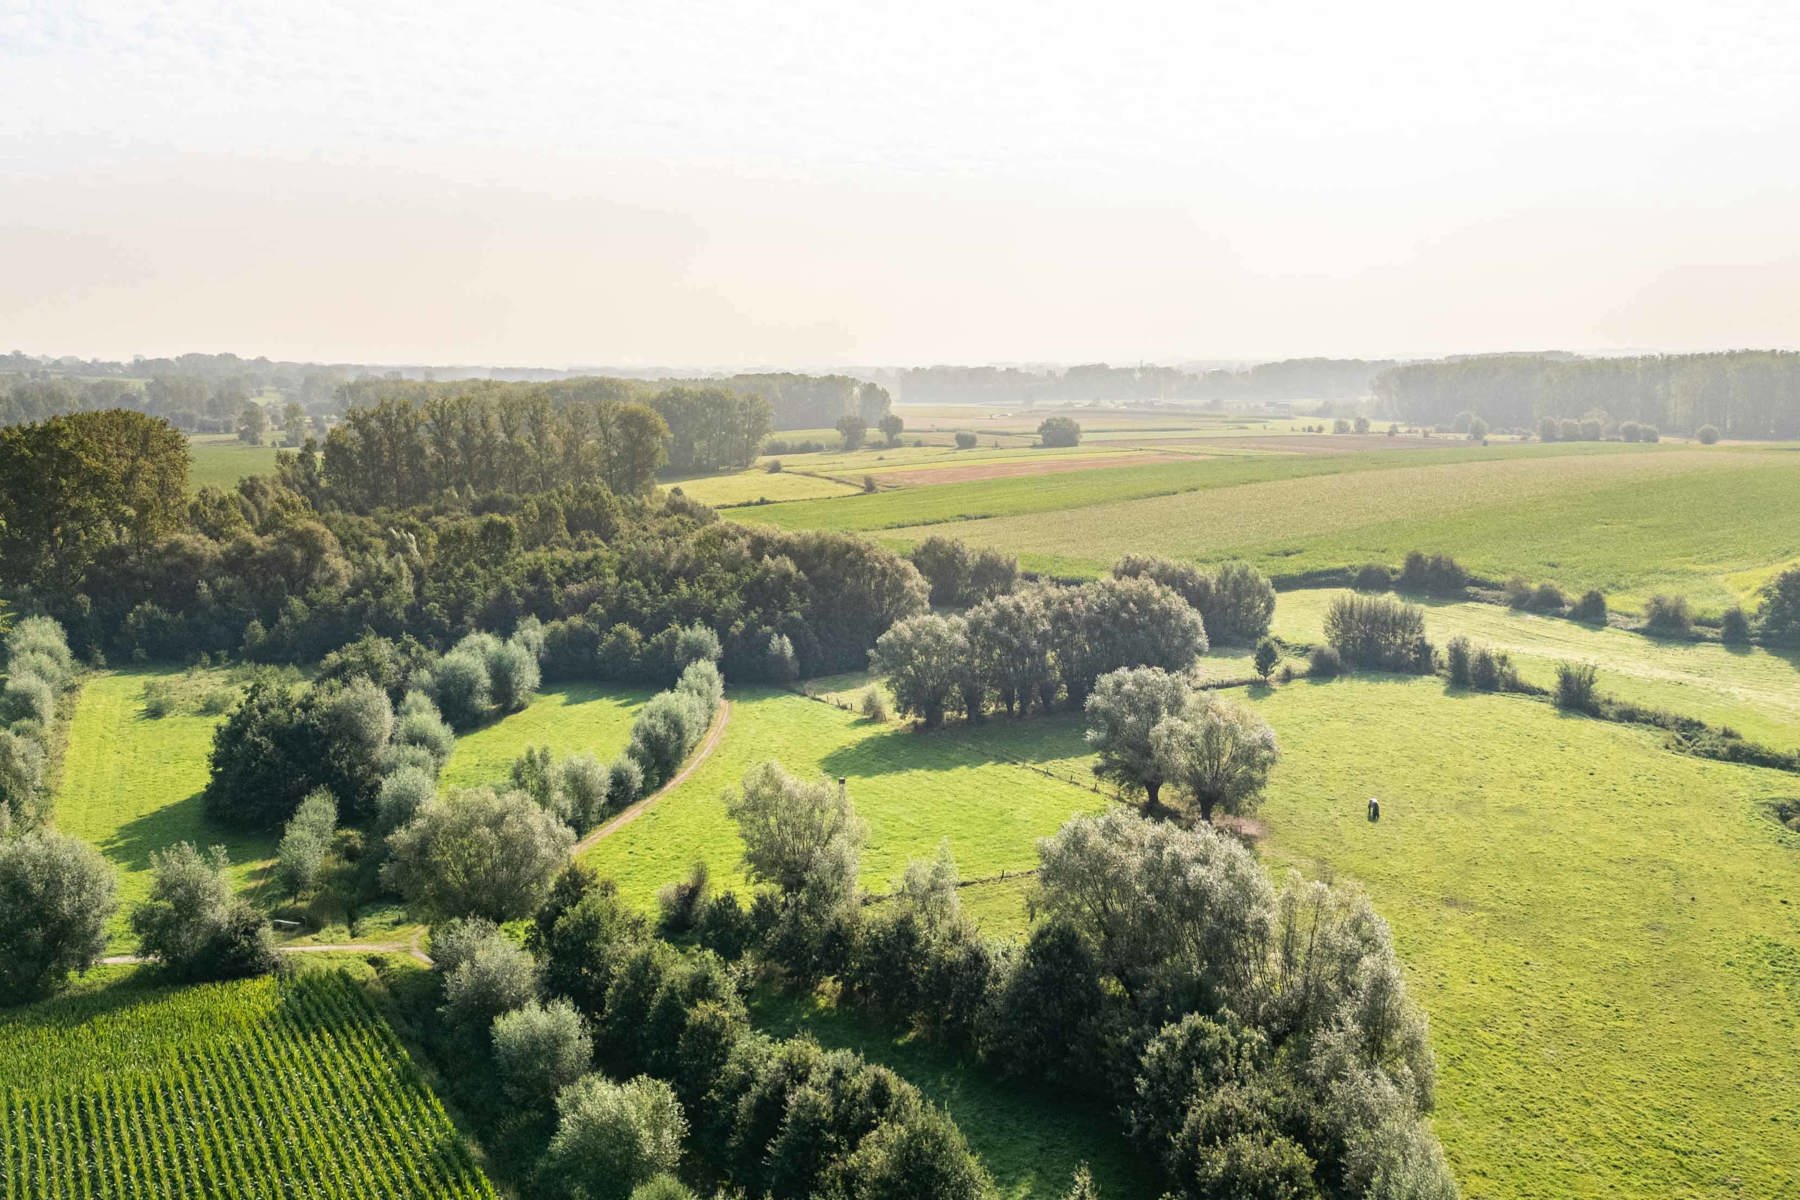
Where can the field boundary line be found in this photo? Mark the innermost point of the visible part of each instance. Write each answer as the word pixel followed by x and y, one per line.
pixel 632 812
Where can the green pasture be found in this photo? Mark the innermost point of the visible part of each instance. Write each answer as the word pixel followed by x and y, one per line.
pixel 1752 690
pixel 220 460
pixel 1603 932
pixel 915 790
pixel 569 718
pixel 131 785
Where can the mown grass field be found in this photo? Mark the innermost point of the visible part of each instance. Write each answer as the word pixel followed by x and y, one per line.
pixel 1753 690
pixel 1606 935
pixel 1711 524
pixel 572 718
pixel 131 785
pixel 220 460
pixel 259 1088
pixel 914 790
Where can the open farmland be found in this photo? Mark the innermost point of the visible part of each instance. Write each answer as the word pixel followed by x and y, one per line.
pixel 131 785
pixel 1751 689
pixel 569 718
pixel 1709 524
pixel 914 791
pixel 259 1088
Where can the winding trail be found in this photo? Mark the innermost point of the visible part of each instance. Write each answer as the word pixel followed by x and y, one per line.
pixel 632 812
pixel 625 817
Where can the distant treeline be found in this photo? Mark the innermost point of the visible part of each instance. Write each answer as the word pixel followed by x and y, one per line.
pixel 1743 393
pixel 205 393
pixel 1294 379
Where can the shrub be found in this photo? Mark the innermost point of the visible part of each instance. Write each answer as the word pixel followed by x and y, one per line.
pixel 873 704
pixel 782 664
pixel 460 687
pixel 1590 608
pixel 27 697
pixel 1591 428
pixel 681 903
pixel 1267 658
pixel 1436 575
pixel 582 786
pixel 540 1049
pixel 1734 627
pixel 1568 430
pixel 1575 686
pixel 1059 431
pixel 1478 430
pixel 1492 671
pixel 1241 606
pixel 1341 425
pixel 57 893
pixel 404 792
pixel 191 923
pixel 1375 632
pixel 418 726
pixel 1547 598
pixel 624 782
pixel 492 975
pixel 1778 614
pixel 22 762
pixel 965 441
pixel 513 676
pixel 1649 433
pixel 611 1137
pixel 306 841
pixel 477 854
pixel 1324 663
pixel 1668 616
pixel 455 942
pixel 1373 577
pixel 1517 592
pixel 1708 434
pixel 774 467
pixel 1457 653
pixel 1548 429
pixel 1630 431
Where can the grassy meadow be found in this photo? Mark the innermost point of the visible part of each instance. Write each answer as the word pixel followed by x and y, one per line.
pixel 1751 689
pixel 131 785
pixel 914 790
pixel 220 460
pixel 569 718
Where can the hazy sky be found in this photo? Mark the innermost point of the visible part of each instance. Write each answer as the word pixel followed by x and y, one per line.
pixel 708 183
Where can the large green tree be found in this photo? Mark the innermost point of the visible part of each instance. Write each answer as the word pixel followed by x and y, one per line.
pixel 74 486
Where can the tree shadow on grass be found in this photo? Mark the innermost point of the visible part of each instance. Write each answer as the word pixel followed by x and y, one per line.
pixel 133 843
pixel 1032 740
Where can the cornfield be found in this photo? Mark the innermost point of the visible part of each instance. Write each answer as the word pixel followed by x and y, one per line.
pixel 260 1088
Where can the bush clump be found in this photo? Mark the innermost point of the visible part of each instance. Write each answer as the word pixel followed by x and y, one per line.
pixel 1668 616
pixel 1590 608
pixel 1575 686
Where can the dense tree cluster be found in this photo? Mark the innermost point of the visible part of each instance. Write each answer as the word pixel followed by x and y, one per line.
pixel 1056 432
pixel 283 742
pixel 1234 599
pixel 959 576
pixel 636 1060
pixel 403 444
pixel 711 428
pixel 1258 1041
pixel 1743 393
pixel 1030 648
pixel 277 570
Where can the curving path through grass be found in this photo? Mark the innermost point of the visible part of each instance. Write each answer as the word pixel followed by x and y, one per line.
pixel 630 813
